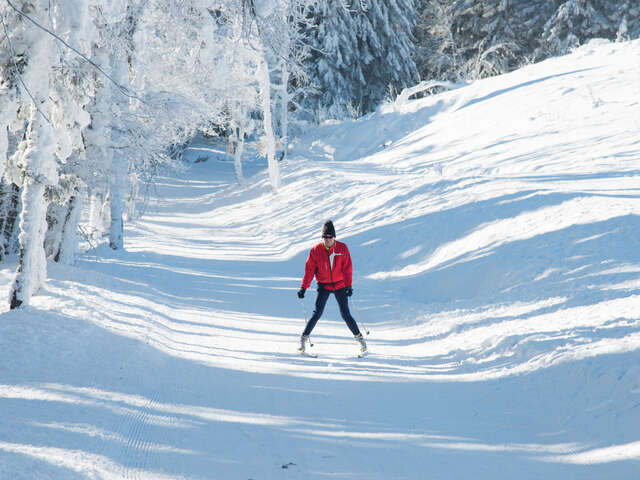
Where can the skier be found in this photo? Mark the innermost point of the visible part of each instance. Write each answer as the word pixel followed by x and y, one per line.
pixel 330 262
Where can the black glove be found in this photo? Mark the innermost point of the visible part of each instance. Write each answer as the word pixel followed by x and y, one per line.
pixel 301 292
pixel 348 291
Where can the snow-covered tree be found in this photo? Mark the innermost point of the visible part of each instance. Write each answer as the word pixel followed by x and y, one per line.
pixel 438 55
pixel 470 38
pixel 333 61
pixel 9 192
pixel 387 46
pixel 95 97
pixel 71 92
pixel 498 50
pixel 626 19
pixel 361 50
pixel 13 46
pixel 240 92
pixel 276 35
pixel 256 16
pixel 153 105
pixel 288 38
pixel 35 164
pixel 574 22
pixel 70 76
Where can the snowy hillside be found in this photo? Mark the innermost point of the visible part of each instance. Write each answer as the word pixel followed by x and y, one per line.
pixel 495 233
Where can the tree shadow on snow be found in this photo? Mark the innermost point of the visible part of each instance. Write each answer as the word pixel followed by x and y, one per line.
pixel 508 303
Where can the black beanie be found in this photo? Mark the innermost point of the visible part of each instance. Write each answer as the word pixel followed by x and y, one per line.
pixel 327 229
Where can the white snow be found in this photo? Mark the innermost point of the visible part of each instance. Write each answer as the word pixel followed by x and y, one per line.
pixel 494 231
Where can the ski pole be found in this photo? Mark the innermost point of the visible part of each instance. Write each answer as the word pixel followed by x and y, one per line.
pixel 359 318
pixel 304 312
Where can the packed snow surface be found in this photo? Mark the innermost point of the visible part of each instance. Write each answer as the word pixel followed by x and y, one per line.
pixel 495 233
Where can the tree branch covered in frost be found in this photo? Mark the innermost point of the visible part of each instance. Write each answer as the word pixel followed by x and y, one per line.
pixel 70 47
pixel 120 84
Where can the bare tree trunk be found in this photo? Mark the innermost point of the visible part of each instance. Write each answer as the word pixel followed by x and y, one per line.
pixel 284 95
pixel 4 142
pixel 119 175
pixel 69 241
pixel 117 189
pixel 96 225
pixel 237 140
pixel 270 141
pixel 56 214
pixel 9 199
pixel 5 200
pixel 284 90
pixel 11 227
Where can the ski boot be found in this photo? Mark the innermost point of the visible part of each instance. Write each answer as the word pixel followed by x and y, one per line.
pixel 304 340
pixel 363 345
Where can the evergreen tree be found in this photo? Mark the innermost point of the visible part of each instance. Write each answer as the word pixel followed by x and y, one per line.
pixel 488 40
pixel 530 19
pixel 624 17
pixel 573 23
pixel 333 62
pixel 387 47
pixel 361 50
pixel 477 38
pixel 438 53
pixel 471 39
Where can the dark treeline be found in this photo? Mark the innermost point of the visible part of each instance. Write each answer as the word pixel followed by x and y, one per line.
pixel 365 52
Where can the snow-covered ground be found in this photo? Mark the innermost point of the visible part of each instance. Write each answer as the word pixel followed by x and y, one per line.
pixel 495 232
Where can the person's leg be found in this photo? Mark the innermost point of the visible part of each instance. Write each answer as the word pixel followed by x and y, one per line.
pixel 343 303
pixel 321 301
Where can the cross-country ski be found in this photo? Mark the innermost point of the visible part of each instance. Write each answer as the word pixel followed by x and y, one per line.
pixel 305 353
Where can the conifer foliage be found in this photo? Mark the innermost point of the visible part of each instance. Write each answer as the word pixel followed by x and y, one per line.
pixel 469 39
pixel 362 53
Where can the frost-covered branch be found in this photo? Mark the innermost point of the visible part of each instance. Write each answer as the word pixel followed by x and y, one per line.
pixel 122 89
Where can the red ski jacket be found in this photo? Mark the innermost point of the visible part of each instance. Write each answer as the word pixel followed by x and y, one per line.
pixel 333 269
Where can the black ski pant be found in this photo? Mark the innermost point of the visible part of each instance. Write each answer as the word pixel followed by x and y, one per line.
pixel 343 303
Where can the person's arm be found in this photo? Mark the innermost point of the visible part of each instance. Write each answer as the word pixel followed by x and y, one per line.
pixel 347 268
pixel 309 271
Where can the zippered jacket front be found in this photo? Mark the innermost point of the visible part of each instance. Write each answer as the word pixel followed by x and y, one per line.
pixel 333 269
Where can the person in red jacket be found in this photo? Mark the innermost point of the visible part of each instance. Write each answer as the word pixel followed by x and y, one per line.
pixel 330 262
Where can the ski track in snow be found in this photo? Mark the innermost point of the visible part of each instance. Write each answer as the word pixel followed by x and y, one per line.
pixel 494 232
